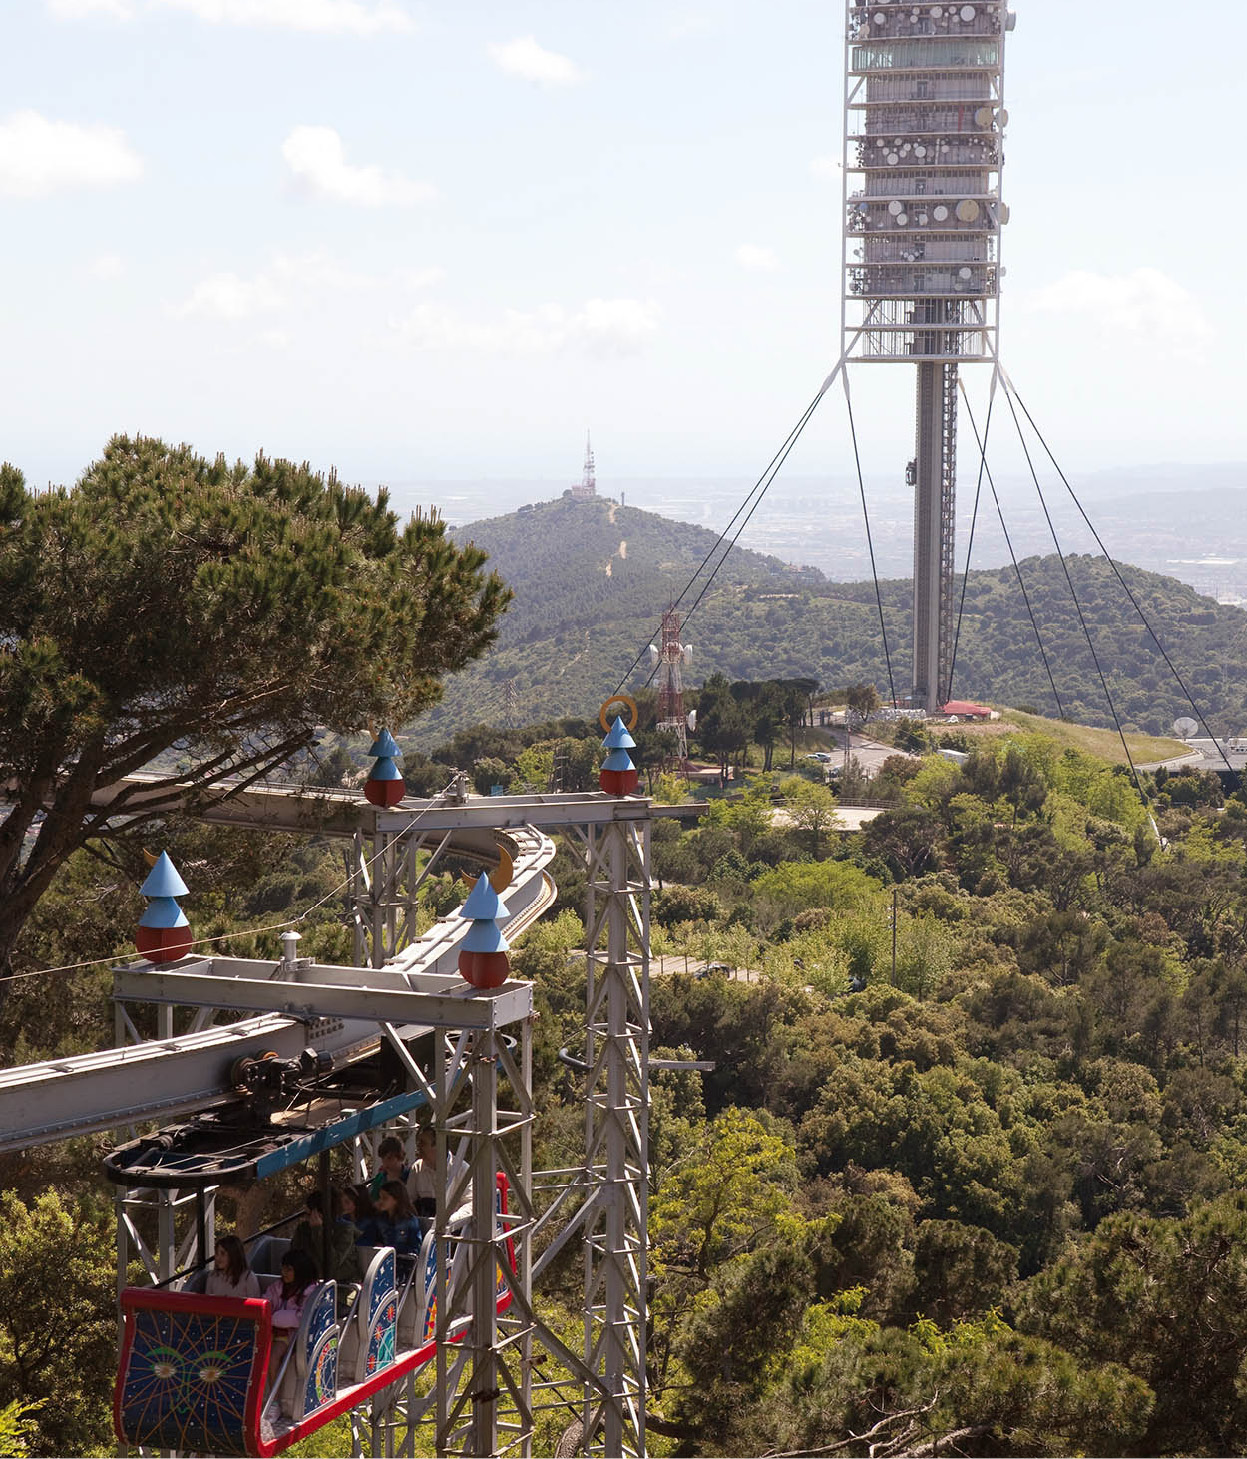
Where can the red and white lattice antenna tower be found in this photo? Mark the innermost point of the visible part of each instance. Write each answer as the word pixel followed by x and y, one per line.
pixel 672 656
pixel 588 485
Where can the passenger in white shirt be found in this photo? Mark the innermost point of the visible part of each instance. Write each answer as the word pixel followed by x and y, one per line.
pixel 230 1275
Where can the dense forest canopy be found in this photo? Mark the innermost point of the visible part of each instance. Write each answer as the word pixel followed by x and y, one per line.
pixel 967 1173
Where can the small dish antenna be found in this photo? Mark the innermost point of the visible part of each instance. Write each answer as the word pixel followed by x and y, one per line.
pixel 1185 727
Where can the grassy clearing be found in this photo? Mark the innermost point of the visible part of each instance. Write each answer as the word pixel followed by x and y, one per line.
pixel 1101 742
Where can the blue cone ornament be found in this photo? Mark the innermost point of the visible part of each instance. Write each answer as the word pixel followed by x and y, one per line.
pixel 164 934
pixel 385 785
pixel 483 959
pixel 618 775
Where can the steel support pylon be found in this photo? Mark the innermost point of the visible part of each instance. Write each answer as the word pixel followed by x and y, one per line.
pixel 382 896
pixel 483 1386
pixel 616 1134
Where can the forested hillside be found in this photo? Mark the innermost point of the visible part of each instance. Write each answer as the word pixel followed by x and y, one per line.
pixel 965 1177
pixel 592 580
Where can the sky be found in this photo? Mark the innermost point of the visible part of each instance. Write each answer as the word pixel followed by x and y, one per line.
pixel 427 242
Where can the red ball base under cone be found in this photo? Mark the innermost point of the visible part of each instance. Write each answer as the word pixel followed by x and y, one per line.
pixel 384 792
pixel 618 782
pixel 163 944
pixel 485 969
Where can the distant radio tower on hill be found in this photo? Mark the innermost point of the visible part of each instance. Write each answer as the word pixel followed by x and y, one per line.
pixel 587 486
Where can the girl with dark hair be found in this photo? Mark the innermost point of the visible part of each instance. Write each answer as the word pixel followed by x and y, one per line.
pixel 287 1293
pixel 230 1275
pixel 400 1225
pixel 286 1296
pixel 358 1209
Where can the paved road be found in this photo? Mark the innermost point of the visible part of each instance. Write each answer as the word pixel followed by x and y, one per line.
pixel 662 967
pixel 1203 755
pixel 850 817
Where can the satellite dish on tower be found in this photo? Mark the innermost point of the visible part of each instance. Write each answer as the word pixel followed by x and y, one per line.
pixel 1185 727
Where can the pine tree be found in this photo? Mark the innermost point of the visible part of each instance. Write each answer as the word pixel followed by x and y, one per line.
pixel 224 612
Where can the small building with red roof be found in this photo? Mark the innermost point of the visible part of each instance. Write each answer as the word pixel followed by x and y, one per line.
pixel 966 709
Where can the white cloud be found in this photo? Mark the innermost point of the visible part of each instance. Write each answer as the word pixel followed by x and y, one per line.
pixel 85 9
pixel 38 156
pixel 1144 307
pixel 602 327
pixel 757 260
pixel 226 296
pixel 356 17
pixel 301 282
pixel 524 58
pixel 825 169
pixel 615 326
pixel 317 158
pixel 106 266
pixel 417 279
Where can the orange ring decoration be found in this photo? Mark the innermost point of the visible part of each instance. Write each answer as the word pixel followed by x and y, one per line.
pixel 618 699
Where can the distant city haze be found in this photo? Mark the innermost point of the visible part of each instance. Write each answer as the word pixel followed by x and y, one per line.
pixel 1190 523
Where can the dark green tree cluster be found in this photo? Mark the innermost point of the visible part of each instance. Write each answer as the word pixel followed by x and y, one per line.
pixel 1001 1205
pixel 211 614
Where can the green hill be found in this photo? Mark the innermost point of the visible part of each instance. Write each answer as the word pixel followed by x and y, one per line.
pixel 591 580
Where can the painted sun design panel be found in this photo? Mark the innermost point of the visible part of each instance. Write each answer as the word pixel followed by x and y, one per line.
pixel 187 1379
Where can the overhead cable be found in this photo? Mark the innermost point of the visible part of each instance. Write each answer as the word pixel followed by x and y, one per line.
pixel 754 496
pixel 861 486
pixel 1017 570
pixel 1073 592
pixel 1138 608
pixel 974 517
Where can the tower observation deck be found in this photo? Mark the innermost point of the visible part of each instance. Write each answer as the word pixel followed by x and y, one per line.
pixel 923 130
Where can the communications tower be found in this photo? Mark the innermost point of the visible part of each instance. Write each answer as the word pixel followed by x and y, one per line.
pixel 670 658
pixel 587 486
pixel 923 130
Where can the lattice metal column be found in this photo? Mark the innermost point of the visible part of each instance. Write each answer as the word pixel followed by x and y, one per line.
pixel 382 897
pixel 483 1387
pixel 616 1159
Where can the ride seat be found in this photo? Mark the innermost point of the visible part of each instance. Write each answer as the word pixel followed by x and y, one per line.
pixel 366 1331
pixel 265 1253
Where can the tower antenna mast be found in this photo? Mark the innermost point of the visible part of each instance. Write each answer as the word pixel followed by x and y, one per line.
pixel 672 656
pixel 924 123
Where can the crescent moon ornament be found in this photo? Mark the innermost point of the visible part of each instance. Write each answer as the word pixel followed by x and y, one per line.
pixel 501 879
pixel 624 699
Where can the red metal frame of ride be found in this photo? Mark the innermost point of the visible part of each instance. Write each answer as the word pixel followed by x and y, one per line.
pixel 256 1308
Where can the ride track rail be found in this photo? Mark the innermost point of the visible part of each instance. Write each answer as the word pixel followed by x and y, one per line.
pixel 162 1078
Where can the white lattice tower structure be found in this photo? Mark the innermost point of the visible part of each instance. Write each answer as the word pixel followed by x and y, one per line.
pixel 923 131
